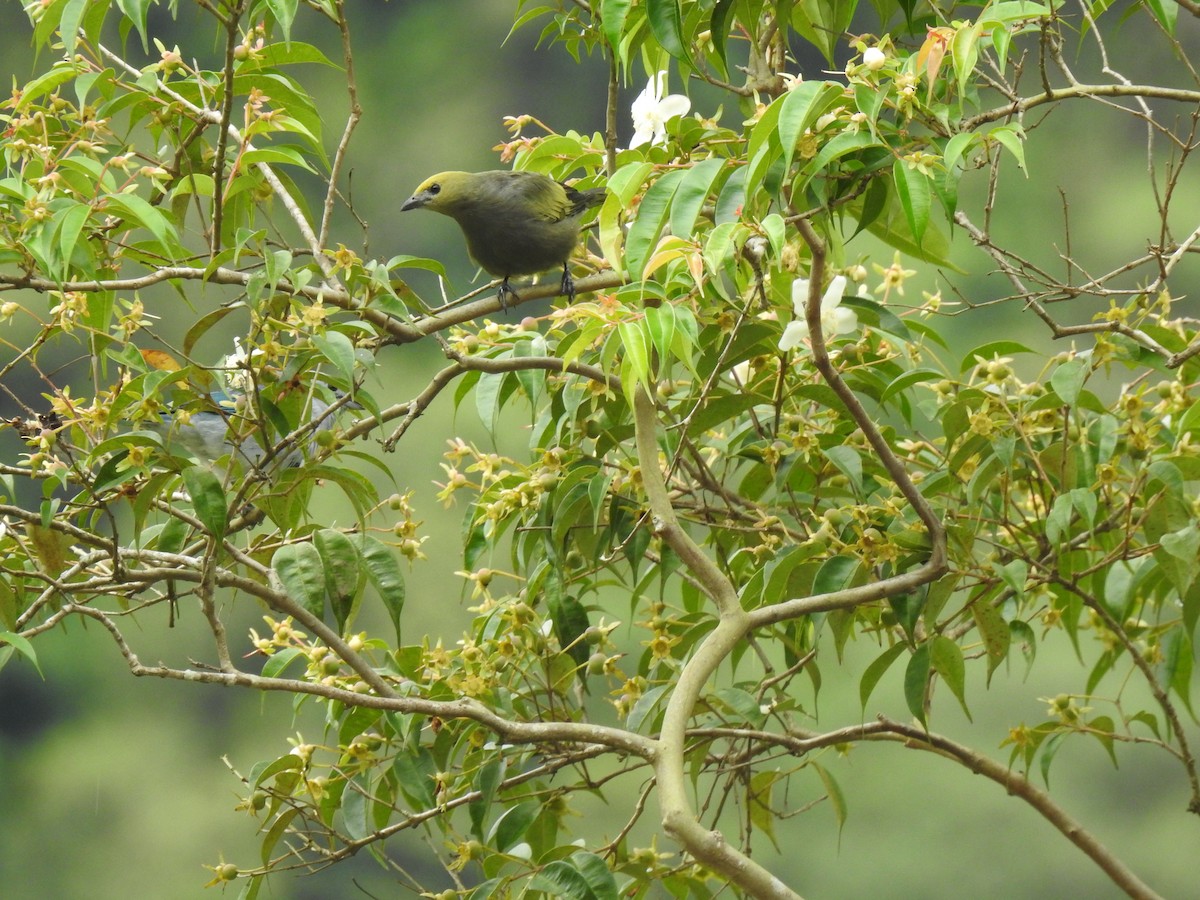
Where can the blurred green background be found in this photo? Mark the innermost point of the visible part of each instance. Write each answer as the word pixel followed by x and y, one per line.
pixel 114 788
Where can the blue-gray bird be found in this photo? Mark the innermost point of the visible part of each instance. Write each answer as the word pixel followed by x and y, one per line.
pixel 224 430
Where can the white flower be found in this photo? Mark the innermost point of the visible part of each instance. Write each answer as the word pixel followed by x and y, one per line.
pixel 651 111
pixel 874 58
pixel 234 367
pixel 834 319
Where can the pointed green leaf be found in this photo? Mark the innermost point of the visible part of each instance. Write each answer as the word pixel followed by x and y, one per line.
pixel 667 26
pixel 22 645
pixel 342 573
pixel 652 214
pixel 383 570
pixel 208 499
pixel 837 800
pixel 302 575
pixel 994 631
pixel 947 660
pixel 916 197
pixel 1067 380
pixel 875 671
pixel 693 190
pixel 612 21
pixel 916 676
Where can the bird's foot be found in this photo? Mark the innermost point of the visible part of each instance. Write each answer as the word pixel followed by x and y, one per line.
pixel 568 285
pixel 505 290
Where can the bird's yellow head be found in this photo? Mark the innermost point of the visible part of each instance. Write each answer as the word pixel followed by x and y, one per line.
pixel 440 192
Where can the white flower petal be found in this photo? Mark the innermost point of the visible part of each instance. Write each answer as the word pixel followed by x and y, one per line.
pixel 842 321
pixel 794 335
pixel 650 111
pixel 833 293
pixel 799 296
pixel 673 105
pixel 641 136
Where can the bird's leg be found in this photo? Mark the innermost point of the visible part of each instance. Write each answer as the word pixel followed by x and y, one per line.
pixel 568 283
pixel 504 290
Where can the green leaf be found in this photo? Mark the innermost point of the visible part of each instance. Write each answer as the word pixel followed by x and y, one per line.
pixel 612 21
pixel 837 800
pixel 635 364
pixel 356 808
pixel 989 351
pixel 596 873
pixel 278 662
pixel 72 16
pixel 22 645
pixel 651 216
pixel 875 671
pixel 339 350
pixel 289 762
pixel 660 324
pixel 570 622
pixel 835 574
pixel 891 226
pixel 718 27
pixel 1013 574
pixel 559 879
pixel 277 830
pixel 1022 635
pixel 908 379
pixel 302 575
pixel 691 193
pixel 916 676
pixel 760 802
pixel 1102 728
pixel 667 26
pixel 1011 138
pixel 510 826
pixel 68 226
pixel 383 571
pixel 994 631
pixel 136 211
pixel 1177 667
pixel 644 706
pixel 916 197
pixel 1067 380
pixel 1166 13
pixel 415 772
pixel 947 660
pixel 284 12
pixel 342 573
pixel 799 109
pixel 486 782
pixel 849 463
pixel 208 499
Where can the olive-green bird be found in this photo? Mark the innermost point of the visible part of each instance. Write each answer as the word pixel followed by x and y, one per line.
pixel 515 223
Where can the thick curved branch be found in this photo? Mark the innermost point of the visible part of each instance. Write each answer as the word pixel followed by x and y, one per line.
pixel 678 818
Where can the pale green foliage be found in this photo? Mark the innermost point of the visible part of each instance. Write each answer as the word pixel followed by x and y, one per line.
pixel 1062 508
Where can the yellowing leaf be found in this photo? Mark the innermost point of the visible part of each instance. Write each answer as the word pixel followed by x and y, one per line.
pixel 160 360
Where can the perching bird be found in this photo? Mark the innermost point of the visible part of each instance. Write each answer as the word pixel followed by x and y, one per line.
pixel 515 223
pixel 210 434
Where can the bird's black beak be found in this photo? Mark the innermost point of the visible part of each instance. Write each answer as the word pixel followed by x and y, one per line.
pixel 415 201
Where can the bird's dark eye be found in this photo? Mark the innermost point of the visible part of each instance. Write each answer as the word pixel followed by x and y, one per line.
pixel 435 189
